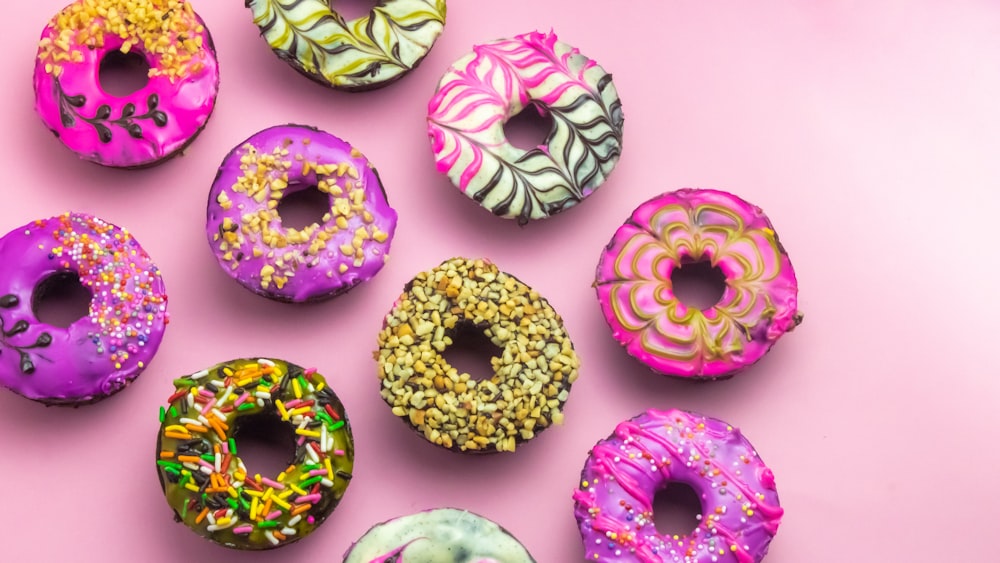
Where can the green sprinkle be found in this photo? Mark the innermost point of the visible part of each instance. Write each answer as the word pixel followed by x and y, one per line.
pixel 244 503
pixel 337 425
pixel 268 524
pixel 184 382
pixel 302 382
pixel 246 406
pixel 184 511
pixel 232 503
pixel 208 457
pixel 310 467
pixel 163 414
pixel 185 478
pixel 232 446
pixel 310 482
pixel 173 412
pixel 172 470
pixel 165 463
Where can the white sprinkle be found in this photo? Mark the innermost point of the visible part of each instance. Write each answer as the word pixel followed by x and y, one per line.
pixel 265 362
pixel 326 482
pixel 288 531
pixel 270 537
pixel 295 520
pixel 200 374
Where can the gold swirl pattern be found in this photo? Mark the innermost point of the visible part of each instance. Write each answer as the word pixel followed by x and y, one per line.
pixel 634 284
pixel 360 54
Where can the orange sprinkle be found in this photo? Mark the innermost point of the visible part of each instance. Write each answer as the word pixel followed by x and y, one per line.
pixel 188 458
pixel 166 455
pixel 201 515
pixel 300 509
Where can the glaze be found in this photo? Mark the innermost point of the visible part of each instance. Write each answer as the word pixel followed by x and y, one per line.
pixel 614 503
pixel 531 379
pixel 636 295
pixel 148 125
pixel 365 53
pixel 99 354
pixel 208 486
pixel 442 535
pixel 485 88
pixel 320 260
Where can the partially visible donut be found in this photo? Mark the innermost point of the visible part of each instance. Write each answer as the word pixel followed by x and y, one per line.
pixel 484 89
pixel 442 535
pixel 149 125
pixel 321 260
pixel 208 486
pixel 365 53
pixel 531 378
pixel 99 354
pixel 614 503
pixel 635 289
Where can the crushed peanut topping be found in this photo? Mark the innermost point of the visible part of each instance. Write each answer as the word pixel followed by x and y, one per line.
pixel 166 30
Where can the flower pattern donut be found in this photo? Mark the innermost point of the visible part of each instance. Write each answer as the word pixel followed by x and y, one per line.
pixel 485 88
pixel 635 291
pixel 99 354
pixel 365 53
pixel 149 125
pixel 614 503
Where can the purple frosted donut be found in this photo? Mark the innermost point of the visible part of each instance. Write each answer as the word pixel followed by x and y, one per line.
pixel 634 287
pixel 320 260
pixel 99 354
pixel 614 504
pixel 148 125
pixel 495 82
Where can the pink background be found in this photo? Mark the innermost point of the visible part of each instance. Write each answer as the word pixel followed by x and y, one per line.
pixel 868 131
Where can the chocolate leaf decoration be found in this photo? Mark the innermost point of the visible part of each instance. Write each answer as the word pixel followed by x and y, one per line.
pixel 44 339
pixel 128 110
pixel 76 101
pixel 19 327
pixel 27 366
pixel 103 112
pixel 67 118
pixel 159 118
pixel 134 130
pixel 9 300
pixel 103 133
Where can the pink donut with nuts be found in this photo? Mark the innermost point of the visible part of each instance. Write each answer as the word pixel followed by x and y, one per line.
pixel 149 125
pixel 614 504
pixel 634 287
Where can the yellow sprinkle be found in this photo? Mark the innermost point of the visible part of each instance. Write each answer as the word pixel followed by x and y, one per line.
pixel 254 504
pixel 280 503
pixel 297 388
pixel 304 432
pixel 329 468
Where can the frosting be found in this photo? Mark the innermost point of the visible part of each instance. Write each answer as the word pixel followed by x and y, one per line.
pixel 360 54
pixel 614 504
pixel 485 88
pixel 634 285
pixel 100 353
pixel 148 125
pixel 206 483
pixel 320 260
pixel 531 379
pixel 443 535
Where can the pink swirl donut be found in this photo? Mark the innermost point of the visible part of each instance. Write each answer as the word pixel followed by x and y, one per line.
pixel 321 260
pixel 100 353
pixel 636 294
pixel 149 125
pixel 614 504
pixel 485 88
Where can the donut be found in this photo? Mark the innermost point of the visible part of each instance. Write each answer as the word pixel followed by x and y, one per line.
pixel 531 379
pixel 365 53
pixel 149 125
pixel 208 486
pixel 644 455
pixel 496 81
pixel 689 226
pixel 102 352
pixel 320 260
pixel 442 535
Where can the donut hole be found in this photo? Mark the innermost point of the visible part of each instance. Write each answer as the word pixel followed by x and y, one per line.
pixel 699 285
pixel 264 443
pixel 529 128
pixel 472 352
pixel 677 510
pixel 353 9
pixel 301 207
pixel 121 74
pixel 60 300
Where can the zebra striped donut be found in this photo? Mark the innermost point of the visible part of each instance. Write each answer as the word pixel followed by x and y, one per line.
pixel 360 54
pixel 498 80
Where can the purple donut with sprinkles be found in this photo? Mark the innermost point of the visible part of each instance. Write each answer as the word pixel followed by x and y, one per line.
pixel 321 260
pixel 614 504
pixel 102 352
pixel 141 128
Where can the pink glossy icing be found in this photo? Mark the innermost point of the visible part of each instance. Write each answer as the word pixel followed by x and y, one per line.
pixel 498 80
pixel 614 503
pixel 244 227
pixel 146 126
pixel 635 291
pixel 106 349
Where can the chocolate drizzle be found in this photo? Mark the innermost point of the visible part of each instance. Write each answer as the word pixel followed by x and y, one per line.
pixel 27 363
pixel 70 106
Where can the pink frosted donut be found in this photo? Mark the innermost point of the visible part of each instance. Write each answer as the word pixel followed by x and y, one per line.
pixel 644 455
pixel 100 353
pixel 148 125
pixel 635 290
pixel 495 82
pixel 321 260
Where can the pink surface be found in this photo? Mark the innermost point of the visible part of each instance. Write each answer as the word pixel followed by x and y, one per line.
pixel 869 133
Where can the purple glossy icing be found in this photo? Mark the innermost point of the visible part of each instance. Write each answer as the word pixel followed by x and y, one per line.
pixel 100 353
pixel 320 260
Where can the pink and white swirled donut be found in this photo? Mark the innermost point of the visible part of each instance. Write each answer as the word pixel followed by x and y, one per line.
pixel 495 82
pixel 634 286
pixel 614 504
pixel 149 125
